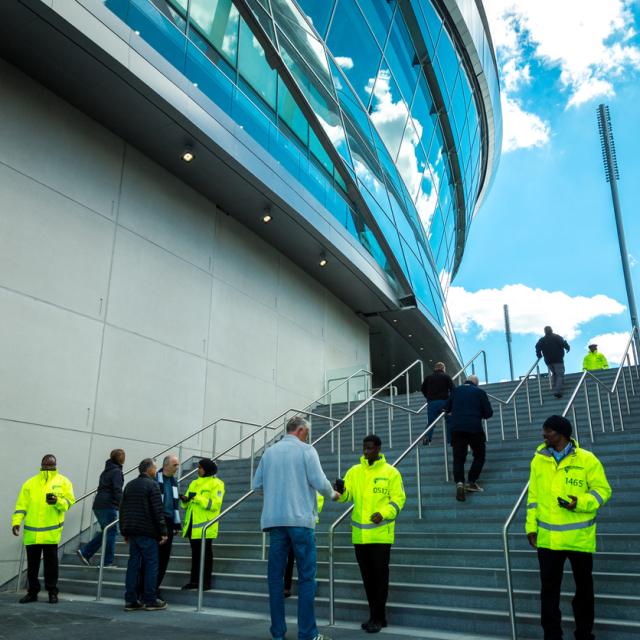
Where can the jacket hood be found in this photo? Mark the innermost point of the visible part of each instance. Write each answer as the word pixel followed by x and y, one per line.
pixel 380 461
pixel 110 464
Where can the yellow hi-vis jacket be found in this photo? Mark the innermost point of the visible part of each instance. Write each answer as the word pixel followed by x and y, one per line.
pixel 43 522
pixel 373 488
pixel 579 474
pixel 594 360
pixel 203 507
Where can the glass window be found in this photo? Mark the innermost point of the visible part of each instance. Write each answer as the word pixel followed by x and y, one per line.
pixel 411 160
pixel 378 15
pixel 388 111
pixel 209 78
pixel 433 22
pixel 319 13
pixel 421 112
pixel 448 59
pixel 318 151
pixel 253 66
pixel 401 56
pixel 418 276
pixel 217 21
pixel 354 48
pixel 289 112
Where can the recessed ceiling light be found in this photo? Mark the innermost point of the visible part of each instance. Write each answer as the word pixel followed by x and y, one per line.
pixel 323 260
pixel 187 154
pixel 395 320
pixel 266 216
pixel 410 335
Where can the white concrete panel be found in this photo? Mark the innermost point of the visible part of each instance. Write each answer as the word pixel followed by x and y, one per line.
pixel 300 298
pixel 51 247
pixel 344 330
pixel 47 139
pixel 49 362
pixel 245 261
pixel 300 360
pixel 161 208
pixel 231 394
pixel 147 390
pixel 29 443
pixel 158 295
pixel 244 333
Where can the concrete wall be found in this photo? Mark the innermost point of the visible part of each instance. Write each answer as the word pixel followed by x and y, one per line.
pixel 132 311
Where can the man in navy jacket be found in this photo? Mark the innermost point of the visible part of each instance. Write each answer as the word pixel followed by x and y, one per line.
pixel 468 406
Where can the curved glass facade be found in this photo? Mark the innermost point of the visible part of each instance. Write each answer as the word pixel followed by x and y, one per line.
pixel 367 103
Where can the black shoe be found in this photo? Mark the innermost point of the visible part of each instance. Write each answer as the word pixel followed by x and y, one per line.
pixel 373 627
pixel 365 624
pixel 460 492
pixel 189 586
pixel 133 606
pixel 558 395
pixel 30 597
pixel 53 598
pixel 287 593
pixel 155 606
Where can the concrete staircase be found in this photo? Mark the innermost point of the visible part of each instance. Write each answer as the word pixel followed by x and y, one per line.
pixel 447 573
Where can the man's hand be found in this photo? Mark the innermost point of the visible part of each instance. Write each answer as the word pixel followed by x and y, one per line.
pixel 376 518
pixel 533 539
pixel 15 529
pixel 163 539
pixel 335 497
pixel 574 503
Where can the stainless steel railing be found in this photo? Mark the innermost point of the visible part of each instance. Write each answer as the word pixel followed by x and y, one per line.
pixel 631 345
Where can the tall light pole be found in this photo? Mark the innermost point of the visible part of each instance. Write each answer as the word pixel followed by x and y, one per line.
pixel 612 176
pixel 507 332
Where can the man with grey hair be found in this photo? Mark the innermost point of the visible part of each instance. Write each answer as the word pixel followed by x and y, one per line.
pixel 469 406
pixel 143 526
pixel 289 475
pixel 170 502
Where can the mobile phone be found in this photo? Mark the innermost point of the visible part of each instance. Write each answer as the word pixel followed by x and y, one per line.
pixel 51 497
pixel 191 495
pixel 339 485
pixel 563 503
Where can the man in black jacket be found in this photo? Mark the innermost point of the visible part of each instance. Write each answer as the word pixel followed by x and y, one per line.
pixel 436 388
pixel 143 526
pixel 469 406
pixel 552 347
pixel 105 509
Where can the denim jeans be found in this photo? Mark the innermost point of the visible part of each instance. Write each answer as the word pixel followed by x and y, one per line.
pixel 303 543
pixel 143 552
pixel 104 517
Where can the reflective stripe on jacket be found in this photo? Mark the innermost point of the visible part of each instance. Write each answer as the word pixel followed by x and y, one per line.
pixel 373 488
pixel 43 522
pixel 579 474
pixel 594 360
pixel 203 507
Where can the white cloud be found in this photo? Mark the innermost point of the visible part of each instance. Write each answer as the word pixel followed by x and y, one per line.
pixel 345 62
pixel 612 345
pixel 521 128
pixel 633 261
pixel 529 310
pixel 590 89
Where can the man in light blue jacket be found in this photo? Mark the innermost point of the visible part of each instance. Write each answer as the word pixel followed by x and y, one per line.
pixel 289 475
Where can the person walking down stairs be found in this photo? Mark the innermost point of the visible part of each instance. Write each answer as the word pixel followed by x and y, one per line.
pixel 377 493
pixel 567 487
pixel 469 406
pixel 203 502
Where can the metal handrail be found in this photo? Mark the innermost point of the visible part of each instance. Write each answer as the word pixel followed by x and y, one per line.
pixel 524 381
pixel 360 373
pixel 518 503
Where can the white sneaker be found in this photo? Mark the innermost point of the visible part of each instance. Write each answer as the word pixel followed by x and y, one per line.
pixel 474 487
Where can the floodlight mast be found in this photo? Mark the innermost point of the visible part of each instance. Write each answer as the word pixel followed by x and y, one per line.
pixel 612 176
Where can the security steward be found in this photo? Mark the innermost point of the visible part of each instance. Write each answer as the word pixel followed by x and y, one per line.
pixel 567 486
pixel 377 493
pixel 594 360
pixel 42 502
pixel 202 502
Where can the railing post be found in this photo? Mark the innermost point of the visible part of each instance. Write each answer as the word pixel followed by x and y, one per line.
pixel 526 384
pixel 586 399
pixel 332 613
pixel 418 478
pixel 633 390
pixel 264 546
pixel 214 438
pixel 613 428
pixel 373 416
pixel 575 423
pixel 619 409
pixel 486 429
pixel 486 374
pixel 539 384
pixel 515 418
pixel 331 420
pixel 501 420
pixel 626 395
pixel 444 448
pixel 252 453
pixel 339 435
pixel 201 567
pixel 179 460
pixel 600 406
pixel 103 546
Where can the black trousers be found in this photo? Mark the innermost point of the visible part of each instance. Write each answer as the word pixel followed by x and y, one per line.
pixel 164 550
pixel 288 571
pixel 196 545
pixel 373 560
pixel 551 568
pixel 460 440
pixel 50 554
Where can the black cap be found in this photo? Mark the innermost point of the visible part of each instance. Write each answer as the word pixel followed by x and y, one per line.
pixel 559 425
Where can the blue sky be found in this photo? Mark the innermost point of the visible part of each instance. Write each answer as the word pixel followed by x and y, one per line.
pixel 544 241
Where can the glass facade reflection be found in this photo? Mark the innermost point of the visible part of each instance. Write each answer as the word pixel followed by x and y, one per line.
pixel 366 97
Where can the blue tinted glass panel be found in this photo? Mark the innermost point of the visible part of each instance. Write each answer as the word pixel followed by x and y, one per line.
pixel 319 11
pixel 447 59
pixel 210 80
pixel 319 152
pixel 290 113
pixel 417 274
pixel 411 161
pixel 388 111
pixel 401 56
pixel 354 49
pixel 217 21
pixel 253 66
pixel 421 110
pixel 378 15
pixel 251 119
pixel 286 151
